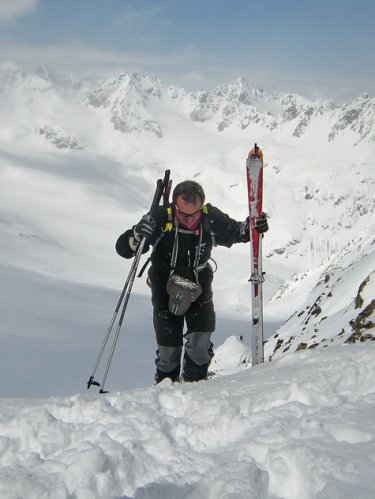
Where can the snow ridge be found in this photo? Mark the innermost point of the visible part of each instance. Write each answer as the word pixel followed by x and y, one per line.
pixel 129 99
pixel 286 430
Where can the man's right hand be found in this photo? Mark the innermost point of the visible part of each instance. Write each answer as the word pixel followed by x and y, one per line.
pixel 144 228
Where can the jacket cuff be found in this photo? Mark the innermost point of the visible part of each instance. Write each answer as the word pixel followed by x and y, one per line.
pixel 133 243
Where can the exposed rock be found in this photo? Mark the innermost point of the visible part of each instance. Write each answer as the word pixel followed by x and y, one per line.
pixel 61 139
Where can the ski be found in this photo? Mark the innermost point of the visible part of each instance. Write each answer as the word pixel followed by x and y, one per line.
pixel 254 170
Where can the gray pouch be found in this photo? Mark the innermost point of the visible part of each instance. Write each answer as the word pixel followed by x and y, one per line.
pixel 182 292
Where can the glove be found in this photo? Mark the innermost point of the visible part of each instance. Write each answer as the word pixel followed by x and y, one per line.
pixel 144 228
pixel 262 224
pixel 245 231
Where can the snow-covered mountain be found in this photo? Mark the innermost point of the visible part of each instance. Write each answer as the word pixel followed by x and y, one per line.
pixel 319 174
pixel 135 103
pixel 78 164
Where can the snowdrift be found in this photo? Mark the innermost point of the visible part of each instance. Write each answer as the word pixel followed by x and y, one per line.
pixel 299 427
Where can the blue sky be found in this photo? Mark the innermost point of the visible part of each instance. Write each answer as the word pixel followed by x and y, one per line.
pixel 318 48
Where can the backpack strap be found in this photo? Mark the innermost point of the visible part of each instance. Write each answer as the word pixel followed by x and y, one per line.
pixel 169 227
pixel 196 266
pixel 207 224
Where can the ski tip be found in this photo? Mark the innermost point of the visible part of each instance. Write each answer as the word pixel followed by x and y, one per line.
pixel 256 152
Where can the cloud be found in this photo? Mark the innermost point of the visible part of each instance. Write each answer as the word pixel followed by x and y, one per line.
pixel 10 9
pixel 188 68
pixel 95 60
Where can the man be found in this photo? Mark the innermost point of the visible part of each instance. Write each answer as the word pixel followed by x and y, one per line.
pixel 180 276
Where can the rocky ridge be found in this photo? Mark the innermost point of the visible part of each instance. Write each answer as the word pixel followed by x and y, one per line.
pixel 347 320
pixel 128 101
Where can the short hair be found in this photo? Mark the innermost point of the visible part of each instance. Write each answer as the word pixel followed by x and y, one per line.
pixel 189 191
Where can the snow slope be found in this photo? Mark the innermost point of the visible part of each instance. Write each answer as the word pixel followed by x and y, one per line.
pixel 52 329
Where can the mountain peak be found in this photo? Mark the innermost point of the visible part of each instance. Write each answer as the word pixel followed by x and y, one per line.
pixel 131 100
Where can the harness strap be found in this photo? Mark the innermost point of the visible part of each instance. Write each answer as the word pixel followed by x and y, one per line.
pixel 144 267
pixel 196 267
pixel 169 227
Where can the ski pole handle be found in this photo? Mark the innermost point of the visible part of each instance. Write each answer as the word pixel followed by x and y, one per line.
pixel 162 186
pixel 167 185
pixel 157 195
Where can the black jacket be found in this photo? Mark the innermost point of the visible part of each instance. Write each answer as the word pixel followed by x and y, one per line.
pixel 217 228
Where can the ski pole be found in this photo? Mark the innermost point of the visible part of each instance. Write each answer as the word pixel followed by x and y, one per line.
pixel 91 380
pixel 162 189
pixel 131 278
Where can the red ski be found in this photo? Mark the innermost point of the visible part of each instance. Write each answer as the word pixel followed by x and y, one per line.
pixel 254 170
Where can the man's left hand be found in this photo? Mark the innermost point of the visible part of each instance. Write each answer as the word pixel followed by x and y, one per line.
pixel 262 224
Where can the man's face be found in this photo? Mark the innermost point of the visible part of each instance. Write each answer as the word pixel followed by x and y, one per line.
pixel 188 214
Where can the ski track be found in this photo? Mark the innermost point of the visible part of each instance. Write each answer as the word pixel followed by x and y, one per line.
pixel 299 427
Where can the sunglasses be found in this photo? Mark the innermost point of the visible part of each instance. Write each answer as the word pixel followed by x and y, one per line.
pixel 188 215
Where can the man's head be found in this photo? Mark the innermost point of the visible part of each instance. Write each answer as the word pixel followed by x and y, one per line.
pixel 189 190
pixel 188 198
